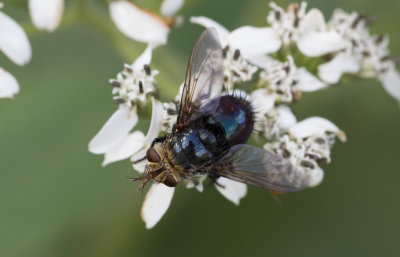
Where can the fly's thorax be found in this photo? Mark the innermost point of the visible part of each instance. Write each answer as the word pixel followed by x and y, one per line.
pixel 193 148
pixel 159 167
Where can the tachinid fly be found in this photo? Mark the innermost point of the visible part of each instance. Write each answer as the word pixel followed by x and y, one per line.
pixel 211 131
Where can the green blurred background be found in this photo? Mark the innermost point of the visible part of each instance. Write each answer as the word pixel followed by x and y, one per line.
pixel 57 200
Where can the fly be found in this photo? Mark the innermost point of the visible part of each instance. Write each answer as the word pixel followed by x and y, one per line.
pixel 211 131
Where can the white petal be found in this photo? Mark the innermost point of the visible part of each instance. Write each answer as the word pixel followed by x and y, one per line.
pixel 139 160
pixel 8 84
pixel 315 44
pixel 144 58
pixel 138 24
pixel 391 83
pixel 315 177
pixel 286 117
pixel 208 23
pixel 125 148
pixel 315 126
pixel 308 82
pixel 156 119
pixel 313 21
pixel 170 7
pixel 200 187
pixel 156 203
pixel 115 129
pixel 259 60
pixel 262 102
pixel 46 14
pixel 232 190
pixel 254 41
pixel 13 41
pixel 332 71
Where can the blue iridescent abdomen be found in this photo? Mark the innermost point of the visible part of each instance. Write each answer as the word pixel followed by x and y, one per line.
pixel 235 116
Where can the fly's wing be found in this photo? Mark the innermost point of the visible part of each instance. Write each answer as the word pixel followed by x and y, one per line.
pixel 262 168
pixel 204 77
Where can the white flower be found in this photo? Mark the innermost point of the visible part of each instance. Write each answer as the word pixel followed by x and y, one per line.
pixel 156 203
pixel 170 7
pixel 391 82
pixel 243 45
pixel 196 182
pixel 143 25
pixel 236 69
pixel 15 45
pixel 46 14
pixel 170 114
pixel 8 84
pixel 132 86
pixel 307 30
pixel 13 41
pixel 308 147
pixel 332 71
pixel 232 190
pixel 135 82
pixel 365 54
pixel 272 122
pixel 284 83
pixel 314 126
pixel 159 197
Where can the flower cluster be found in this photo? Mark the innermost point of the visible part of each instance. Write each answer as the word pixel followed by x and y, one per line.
pixel 46 15
pixel 15 45
pixel 296 52
pixel 364 54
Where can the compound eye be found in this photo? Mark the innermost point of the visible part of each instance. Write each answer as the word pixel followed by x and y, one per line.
pixel 152 155
pixel 170 181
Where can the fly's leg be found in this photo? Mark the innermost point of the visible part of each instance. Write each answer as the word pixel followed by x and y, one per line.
pixel 214 178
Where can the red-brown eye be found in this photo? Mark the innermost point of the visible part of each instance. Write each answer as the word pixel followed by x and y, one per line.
pixel 170 181
pixel 152 155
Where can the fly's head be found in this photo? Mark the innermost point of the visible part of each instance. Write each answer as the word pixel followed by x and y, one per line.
pixel 158 168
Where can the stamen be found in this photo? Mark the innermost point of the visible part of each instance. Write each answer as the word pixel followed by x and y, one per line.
pixel 277 15
pixel 141 87
pixel 366 54
pixel 307 164
pixel 296 22
pixel 225 51
pixel 396 60
pixel 370 21
pixel 147 69
pixel 287 68
pixel 320 140
pixel 286 154
pixel 236 55
pixel 386 58
pixel 127 69
pixel 119 100
pixel 358 19
pixel 115 83
pixel 379 39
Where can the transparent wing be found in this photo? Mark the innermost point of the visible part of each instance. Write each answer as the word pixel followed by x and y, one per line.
pixel 204 77
pixel 262 168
